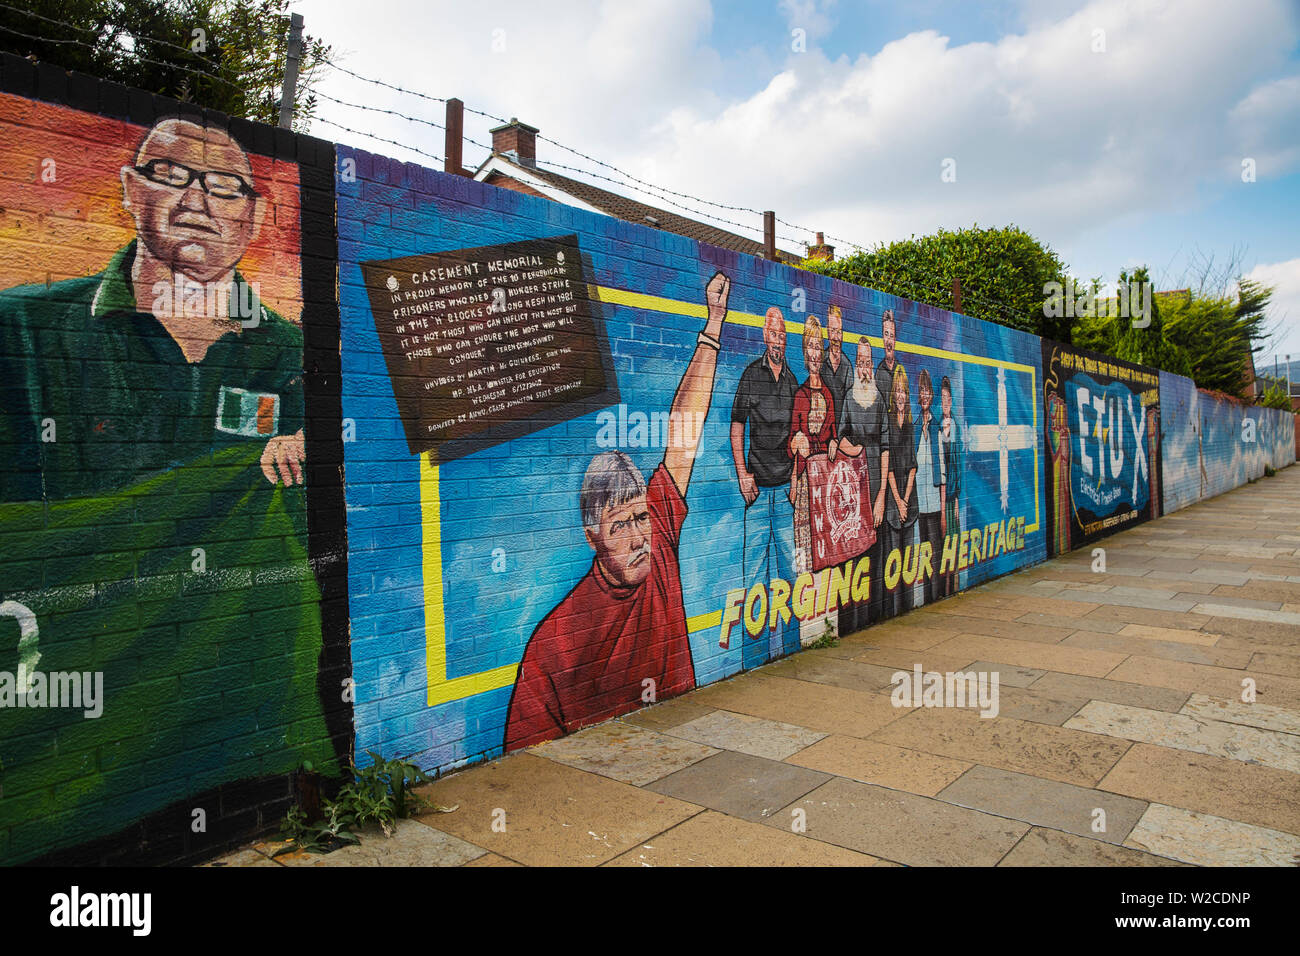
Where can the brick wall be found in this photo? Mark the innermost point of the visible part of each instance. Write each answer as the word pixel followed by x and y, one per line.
pixel 228 615
pixel 1212 444
pixel 201 608
pixel 453 565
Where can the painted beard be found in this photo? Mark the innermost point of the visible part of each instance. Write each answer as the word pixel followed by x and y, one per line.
pixel 865 395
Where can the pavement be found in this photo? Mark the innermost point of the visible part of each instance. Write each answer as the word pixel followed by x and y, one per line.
pixel 1125 735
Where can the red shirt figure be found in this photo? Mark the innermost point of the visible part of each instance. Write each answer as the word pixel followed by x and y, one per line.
pixel 619 638
pixel 587 659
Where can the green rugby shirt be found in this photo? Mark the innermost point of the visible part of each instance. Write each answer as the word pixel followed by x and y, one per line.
pixel 123 401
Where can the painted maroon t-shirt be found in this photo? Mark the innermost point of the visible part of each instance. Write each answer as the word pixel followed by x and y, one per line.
pixel 587 659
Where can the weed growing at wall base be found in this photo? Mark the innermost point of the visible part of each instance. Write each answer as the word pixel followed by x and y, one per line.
pixel 378 795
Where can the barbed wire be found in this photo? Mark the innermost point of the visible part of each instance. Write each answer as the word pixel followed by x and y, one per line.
pixel 347 129
pixel 628 180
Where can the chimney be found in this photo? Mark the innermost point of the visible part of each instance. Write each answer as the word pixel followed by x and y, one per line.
pixel 819 250
pixel 517 141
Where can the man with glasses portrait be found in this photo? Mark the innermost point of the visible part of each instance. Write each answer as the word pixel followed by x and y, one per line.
pixel 165 355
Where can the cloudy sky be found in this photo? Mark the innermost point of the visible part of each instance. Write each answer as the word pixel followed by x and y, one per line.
pixel 1120 132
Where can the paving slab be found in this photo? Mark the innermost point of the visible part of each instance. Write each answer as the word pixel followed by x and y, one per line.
pixel 751 788
pixel 748 735
pixel 715 839
pixel 1178 635
pixel 902 827
pixel 1207 840
pixel 1014 630
pixel 1264 796
pixel 551 814
pixel 1262 632
pixel 1167 650
pixel 1071 624
pixel 1009 675
pixel 910 636
pixel 1043 847
pixel 884 764
pixel 1237 712
pixel 1046 803
pixel 1207 679
pixel 667 714
pixel 1154 618
pixel 847 673
pixel 899 658
pixel 821 707
pixel 1284 665
pixel 492 859
pixel 1074 687
pixel 411 844
pixel 1070 756
pixel 623 752
pixel 1184 732
pixel 1047 657
pixel 1022 703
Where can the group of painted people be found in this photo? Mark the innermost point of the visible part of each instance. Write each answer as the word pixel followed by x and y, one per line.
pixel 914 464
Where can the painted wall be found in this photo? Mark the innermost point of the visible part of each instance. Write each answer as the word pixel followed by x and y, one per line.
pixel 162 630
pixel 459 557
pixel 1212 444
pixel 484 357
pixel 1102 424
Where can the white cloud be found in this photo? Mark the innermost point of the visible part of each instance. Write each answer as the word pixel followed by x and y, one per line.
pixel 1284 308
pixel 1045 133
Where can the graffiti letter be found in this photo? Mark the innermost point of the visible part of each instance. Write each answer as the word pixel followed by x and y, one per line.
pixel 730 616
pixel 1115 437
pixel 1140 456
pixel 1081 397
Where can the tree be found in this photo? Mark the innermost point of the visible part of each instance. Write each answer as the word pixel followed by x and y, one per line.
pixel 1004 274
pixel 228 55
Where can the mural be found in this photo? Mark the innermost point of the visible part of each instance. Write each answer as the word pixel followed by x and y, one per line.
pixel 1102 424
pixel 877 455
pixel 155 571
pixel 1211 444
pixel 589 465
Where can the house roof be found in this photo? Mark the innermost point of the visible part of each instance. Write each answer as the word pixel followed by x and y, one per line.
pixel 547 183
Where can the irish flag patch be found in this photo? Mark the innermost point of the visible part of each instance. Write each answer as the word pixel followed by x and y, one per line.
pixel 252 414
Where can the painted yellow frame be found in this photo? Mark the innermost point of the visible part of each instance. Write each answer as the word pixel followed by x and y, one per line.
pixel 443 689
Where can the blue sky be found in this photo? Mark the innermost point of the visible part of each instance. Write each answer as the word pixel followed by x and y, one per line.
pixel 1124 155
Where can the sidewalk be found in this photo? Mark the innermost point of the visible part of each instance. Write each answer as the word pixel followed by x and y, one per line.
pixel 1121 736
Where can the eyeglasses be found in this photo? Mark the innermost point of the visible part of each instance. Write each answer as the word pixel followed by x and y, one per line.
pixel 166 172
